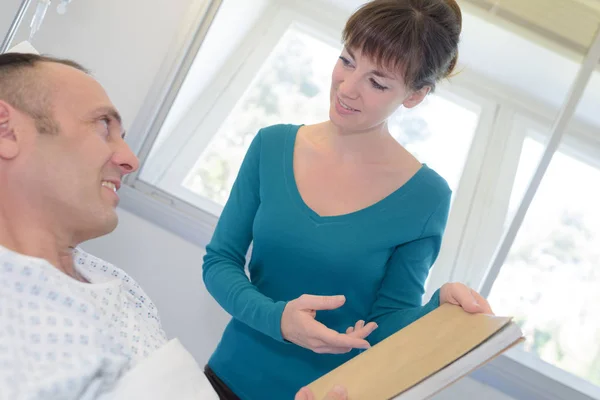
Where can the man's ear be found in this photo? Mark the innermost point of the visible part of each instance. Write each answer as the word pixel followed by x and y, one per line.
pixel 9 146
pixel 416 97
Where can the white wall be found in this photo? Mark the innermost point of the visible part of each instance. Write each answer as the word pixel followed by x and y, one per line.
pixel 123 43
pixel 8 10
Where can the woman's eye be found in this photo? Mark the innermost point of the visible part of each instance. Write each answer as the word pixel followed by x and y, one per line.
pixel 345 61
pixel 377 85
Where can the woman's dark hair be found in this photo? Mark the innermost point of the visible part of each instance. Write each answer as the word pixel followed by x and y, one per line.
pixel 418 37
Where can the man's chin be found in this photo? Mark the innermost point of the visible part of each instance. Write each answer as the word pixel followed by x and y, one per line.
pixel 111 223
pixel 107 224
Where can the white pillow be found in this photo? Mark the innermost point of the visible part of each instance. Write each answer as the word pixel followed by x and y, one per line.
pixel 169 373
pixel 23 47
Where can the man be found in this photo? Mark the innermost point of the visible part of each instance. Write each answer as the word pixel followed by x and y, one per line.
pixel 71 325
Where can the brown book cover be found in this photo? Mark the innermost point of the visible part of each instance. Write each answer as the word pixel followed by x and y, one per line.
pixel 435 350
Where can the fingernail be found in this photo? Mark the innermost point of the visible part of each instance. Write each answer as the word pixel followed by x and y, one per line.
pixel 337 389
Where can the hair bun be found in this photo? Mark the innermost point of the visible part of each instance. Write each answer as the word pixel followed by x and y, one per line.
pixel 456 8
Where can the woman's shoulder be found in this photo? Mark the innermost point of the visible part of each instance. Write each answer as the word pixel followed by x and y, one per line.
pixel 434 183
pixel 425 192
pixel 276 131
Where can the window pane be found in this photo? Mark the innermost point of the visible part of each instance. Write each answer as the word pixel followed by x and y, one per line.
pixel 551 279
pixel 531 154
pixel 293 86
pixel 438 132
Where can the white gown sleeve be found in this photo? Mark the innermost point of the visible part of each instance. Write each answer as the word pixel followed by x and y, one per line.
pixel 45 355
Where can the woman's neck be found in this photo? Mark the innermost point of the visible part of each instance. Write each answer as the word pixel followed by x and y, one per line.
pixel 369 146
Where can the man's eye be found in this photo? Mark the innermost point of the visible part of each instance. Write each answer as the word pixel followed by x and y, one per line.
pixel 106 124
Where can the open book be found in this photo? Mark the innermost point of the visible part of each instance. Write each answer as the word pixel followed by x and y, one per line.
pixel 423 358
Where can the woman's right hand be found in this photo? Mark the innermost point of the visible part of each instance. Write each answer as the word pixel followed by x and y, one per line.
pixel 299 326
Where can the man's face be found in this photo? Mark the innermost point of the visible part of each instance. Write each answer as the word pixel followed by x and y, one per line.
pixel 73 175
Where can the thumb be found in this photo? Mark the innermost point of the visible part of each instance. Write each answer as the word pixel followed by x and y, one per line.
pixel 304 394
pixel 311 302
pixel 337 393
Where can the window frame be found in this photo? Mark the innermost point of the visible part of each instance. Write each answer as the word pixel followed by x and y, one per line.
pixel 492 156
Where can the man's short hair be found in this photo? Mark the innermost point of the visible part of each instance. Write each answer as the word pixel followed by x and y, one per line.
pixel 26 92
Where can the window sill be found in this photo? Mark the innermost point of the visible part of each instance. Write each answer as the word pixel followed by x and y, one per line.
pixel 176 216
pixel 525 377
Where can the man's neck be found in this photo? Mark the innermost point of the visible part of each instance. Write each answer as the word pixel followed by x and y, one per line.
pixel 31 239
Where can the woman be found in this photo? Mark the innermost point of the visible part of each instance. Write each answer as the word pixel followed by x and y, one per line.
pixel 343 219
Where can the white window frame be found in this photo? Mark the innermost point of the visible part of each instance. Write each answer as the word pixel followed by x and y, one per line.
pixel 487 174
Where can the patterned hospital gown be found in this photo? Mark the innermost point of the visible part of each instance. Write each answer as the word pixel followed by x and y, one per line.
pixel 64 339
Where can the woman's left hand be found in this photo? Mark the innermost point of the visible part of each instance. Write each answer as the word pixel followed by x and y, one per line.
pixel 461 295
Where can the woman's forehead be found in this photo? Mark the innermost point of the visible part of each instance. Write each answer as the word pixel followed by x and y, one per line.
pixel 377 64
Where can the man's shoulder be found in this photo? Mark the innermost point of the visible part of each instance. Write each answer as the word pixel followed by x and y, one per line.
pixel 97 270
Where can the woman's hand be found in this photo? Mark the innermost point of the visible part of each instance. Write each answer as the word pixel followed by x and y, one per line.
pixel 298 325
pixel 461 295
pixel 337 393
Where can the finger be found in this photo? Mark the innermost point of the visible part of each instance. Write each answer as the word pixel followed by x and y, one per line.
pixel 332 338
pixel 332 350
pixel 364 331
pixel 349 330
pixel 484 304
pixel 337 393
pixel 304 394
pixel 310 302
pixel 359 325
pixel 463 297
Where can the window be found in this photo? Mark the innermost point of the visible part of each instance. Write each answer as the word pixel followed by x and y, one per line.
pixel 550 281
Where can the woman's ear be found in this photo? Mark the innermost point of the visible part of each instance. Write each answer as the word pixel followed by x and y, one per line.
pixel 416 97
pixel 9 146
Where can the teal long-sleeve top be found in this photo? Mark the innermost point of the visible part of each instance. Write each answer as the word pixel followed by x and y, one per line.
pixel 378 257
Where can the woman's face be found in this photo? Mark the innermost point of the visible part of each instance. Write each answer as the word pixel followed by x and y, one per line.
pixel 363 96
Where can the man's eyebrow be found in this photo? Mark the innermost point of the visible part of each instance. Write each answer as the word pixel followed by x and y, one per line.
pixel 114 114
pixel 111 112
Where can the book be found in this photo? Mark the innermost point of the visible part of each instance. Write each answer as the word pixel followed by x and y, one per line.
pixel 425 357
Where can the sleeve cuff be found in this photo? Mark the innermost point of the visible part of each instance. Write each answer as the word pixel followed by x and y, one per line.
pixel 433 303
pixel 274 328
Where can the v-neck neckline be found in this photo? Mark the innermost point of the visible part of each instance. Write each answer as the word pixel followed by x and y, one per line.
pixel 290 145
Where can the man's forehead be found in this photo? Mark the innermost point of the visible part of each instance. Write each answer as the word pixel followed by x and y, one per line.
pixel 75 88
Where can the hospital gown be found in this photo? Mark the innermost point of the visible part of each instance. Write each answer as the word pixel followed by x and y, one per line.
pixel 65 339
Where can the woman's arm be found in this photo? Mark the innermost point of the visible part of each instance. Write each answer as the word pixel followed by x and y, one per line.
pixel 223 269
pixel 399 299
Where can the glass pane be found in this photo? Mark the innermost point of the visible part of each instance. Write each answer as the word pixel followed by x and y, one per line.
pixel 438 132
pixel 529 160
pixel 293 87
pixel 551 279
